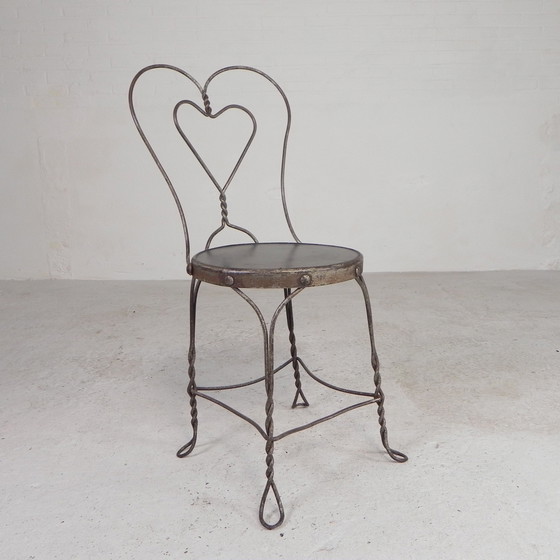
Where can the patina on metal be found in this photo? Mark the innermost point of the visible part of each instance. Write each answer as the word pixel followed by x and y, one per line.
pixel 276 265
pixel 292 267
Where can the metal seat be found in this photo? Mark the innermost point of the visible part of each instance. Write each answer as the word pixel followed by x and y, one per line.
pixel 276 265
pixel 291 266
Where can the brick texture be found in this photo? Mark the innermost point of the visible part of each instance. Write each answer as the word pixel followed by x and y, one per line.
pixel 66 66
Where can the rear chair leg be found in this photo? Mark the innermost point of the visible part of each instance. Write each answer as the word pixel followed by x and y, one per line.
pixel 293 351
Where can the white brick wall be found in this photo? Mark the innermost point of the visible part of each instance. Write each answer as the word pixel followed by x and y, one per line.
pixel 428 130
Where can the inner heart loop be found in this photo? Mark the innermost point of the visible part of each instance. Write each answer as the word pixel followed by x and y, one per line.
pixel 207 112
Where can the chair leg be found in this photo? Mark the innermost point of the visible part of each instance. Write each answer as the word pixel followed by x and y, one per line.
pixel 268 342
pixel 269 448
pixel 395 455
pixel 191 388
pixel 293 351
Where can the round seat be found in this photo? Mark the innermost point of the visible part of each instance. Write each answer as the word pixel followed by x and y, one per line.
pixel 276 265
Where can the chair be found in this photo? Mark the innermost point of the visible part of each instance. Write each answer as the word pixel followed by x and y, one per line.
pixel 293 267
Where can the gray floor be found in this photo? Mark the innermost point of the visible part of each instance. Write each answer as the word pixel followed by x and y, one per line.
pixel 93 408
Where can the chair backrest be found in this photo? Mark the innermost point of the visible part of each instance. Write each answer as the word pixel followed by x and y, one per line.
pixel 207 111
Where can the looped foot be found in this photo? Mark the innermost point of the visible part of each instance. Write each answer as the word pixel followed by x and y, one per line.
pixel 269 485
pixel 187 448
pixel 303 402
pixel 397 455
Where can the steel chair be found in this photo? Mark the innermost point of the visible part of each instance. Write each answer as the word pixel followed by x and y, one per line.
pixel 292 267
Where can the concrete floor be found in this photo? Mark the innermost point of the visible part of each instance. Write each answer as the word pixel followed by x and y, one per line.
pixel 93 408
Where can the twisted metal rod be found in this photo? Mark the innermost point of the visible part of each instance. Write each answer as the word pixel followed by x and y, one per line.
pixel 395 455
pixel 268 432
pixel 293 353
pixel 191 387
pixel 268 341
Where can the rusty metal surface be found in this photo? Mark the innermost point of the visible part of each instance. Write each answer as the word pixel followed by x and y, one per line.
pixel 276 265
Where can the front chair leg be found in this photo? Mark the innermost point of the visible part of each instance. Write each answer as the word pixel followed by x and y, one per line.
pixel 269 408
pixel 270 484
pixel 191 388
pixel 268 344
pixel 395 455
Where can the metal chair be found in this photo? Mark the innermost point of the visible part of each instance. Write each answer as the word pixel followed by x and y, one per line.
pixel 292 267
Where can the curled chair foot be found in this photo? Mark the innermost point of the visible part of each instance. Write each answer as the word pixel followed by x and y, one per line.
pixel 187 448
pixel 397 455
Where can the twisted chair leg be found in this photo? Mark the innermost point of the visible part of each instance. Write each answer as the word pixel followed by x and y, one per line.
pixel 293 351
pixel 395 455
pixel 191 387
pixel 269 448
pixel 268 343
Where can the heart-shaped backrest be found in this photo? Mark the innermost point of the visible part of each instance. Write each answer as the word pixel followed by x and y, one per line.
pixel 206 112
pixel 213 116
